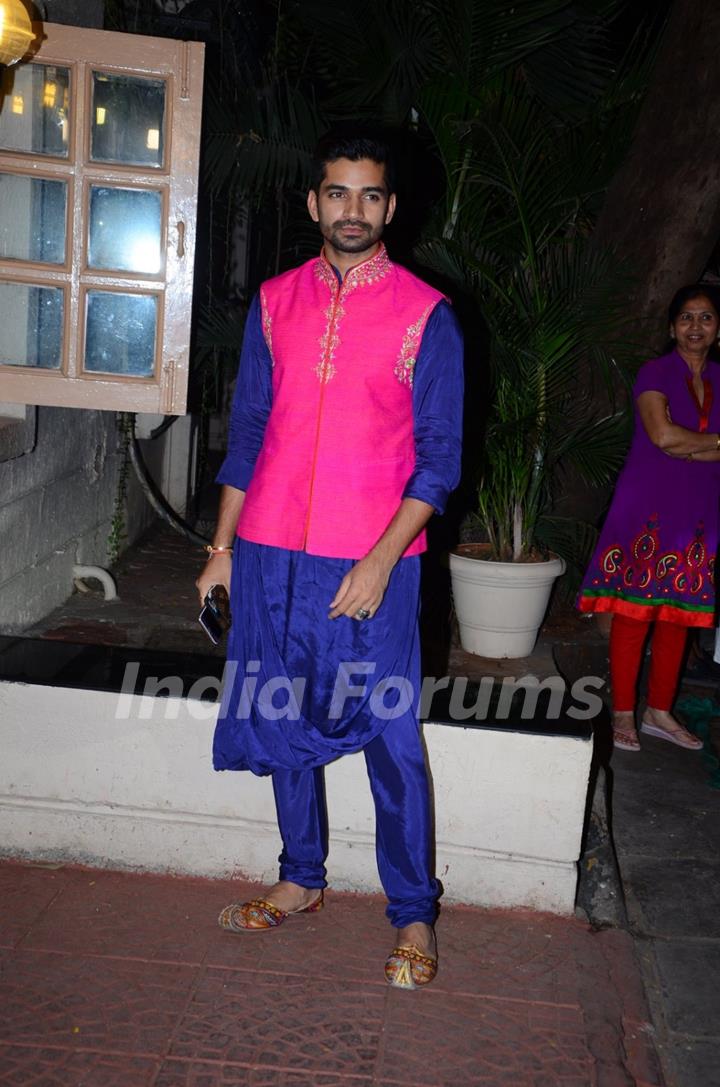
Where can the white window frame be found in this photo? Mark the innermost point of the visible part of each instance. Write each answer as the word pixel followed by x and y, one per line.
pixel 180 66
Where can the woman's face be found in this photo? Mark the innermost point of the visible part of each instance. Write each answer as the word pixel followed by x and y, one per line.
pixel 696 326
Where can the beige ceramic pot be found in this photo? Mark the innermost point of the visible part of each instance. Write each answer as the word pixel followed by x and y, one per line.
pixel 500 606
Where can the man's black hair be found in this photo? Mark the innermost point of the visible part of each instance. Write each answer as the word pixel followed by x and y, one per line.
pixel 352 143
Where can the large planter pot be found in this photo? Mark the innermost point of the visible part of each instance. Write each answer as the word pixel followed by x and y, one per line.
pixel 500 605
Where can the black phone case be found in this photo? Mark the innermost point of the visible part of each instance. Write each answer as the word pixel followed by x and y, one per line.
pixel 215 615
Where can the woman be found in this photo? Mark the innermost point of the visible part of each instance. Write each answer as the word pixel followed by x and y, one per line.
pixel 654 563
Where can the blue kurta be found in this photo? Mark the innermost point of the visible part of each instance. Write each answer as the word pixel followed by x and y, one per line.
pixel 308 688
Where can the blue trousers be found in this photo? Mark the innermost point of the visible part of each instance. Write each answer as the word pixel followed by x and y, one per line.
pixel 396 767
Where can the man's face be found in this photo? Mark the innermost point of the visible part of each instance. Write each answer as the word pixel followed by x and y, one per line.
pixel 353 205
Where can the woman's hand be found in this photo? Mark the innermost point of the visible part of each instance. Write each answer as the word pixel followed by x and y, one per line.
pixel 672 439
pixel 217 571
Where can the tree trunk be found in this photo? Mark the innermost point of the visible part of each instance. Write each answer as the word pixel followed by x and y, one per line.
pixel 662 211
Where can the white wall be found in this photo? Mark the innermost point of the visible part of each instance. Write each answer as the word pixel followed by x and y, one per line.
pixel 78 783
pixel 57 502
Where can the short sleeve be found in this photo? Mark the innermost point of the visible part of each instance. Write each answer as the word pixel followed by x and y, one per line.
pixel 652 377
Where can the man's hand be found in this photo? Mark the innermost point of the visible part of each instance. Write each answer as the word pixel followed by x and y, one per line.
pixel 362 588
pixel 364 585
pixel 217 571
pixel 218 568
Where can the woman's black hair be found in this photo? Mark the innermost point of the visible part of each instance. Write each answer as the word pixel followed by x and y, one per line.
pixel 351 141
pixel 686 294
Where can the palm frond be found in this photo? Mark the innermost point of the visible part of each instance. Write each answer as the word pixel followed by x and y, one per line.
pixel 572 539
pixel 264 142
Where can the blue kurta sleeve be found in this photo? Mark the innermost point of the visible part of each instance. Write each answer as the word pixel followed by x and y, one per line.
pixel 437 410
pixel 251 404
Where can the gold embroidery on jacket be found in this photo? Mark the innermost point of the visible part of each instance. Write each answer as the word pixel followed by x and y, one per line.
pixel 362 275
pixel 369 272
pixel 267 327
pixel 329 342
pixel 405 366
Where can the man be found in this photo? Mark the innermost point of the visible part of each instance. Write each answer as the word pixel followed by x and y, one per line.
pixel 344 440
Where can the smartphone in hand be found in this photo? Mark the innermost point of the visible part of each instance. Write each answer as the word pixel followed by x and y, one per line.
pixel 215 615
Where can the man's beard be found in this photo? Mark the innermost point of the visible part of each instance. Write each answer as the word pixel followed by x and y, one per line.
pixel 366 240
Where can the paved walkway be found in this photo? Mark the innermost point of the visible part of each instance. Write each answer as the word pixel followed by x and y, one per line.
pixel 666 829
pixel 117 980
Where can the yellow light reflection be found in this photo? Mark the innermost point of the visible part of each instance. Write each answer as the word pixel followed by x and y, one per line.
pixel 153 139
pixel 18 104
pixel 49 94
pixel 100 113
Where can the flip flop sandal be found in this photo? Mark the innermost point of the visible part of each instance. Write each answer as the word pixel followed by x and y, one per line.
pixel 681 738
pixel 626 739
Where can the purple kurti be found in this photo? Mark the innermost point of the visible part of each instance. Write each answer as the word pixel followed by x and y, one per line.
pixel 656 554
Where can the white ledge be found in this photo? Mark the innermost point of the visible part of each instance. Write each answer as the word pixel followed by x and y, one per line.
pixel 77 784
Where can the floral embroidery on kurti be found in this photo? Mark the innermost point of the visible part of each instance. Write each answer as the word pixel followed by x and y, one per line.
pixel 646 575
pixel 405 366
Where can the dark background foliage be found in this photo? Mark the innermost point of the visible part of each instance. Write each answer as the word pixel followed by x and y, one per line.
pixel 509 123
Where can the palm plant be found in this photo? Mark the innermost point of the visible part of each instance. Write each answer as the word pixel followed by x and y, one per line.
pixel 544 318
pixel 528 108
pixel 397 64
pixel 516 233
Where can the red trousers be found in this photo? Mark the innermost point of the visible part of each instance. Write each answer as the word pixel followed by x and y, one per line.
pixel 627 640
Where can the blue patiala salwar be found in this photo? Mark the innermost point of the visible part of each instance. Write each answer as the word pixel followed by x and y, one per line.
pixel 291 704
pixel 357 688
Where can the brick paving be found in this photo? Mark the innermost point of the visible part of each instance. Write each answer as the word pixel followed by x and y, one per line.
pixel 115 978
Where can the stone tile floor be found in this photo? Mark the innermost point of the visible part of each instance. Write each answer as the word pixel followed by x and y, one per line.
pixel 666 830
pixel 111 978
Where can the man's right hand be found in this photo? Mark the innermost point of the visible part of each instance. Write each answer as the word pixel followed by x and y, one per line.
pixel 217 571
pixel 218 568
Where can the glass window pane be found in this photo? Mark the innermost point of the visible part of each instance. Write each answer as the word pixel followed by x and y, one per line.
pixel 124 229
pixel 120 333
pixel 34 109
pixel 31 319
pixel 127 120
pixel 32 218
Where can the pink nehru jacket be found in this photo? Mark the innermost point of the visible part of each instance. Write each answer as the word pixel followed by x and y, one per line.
pixel 338 447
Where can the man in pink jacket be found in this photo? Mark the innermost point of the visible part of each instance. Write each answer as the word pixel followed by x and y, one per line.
pixel 344 440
